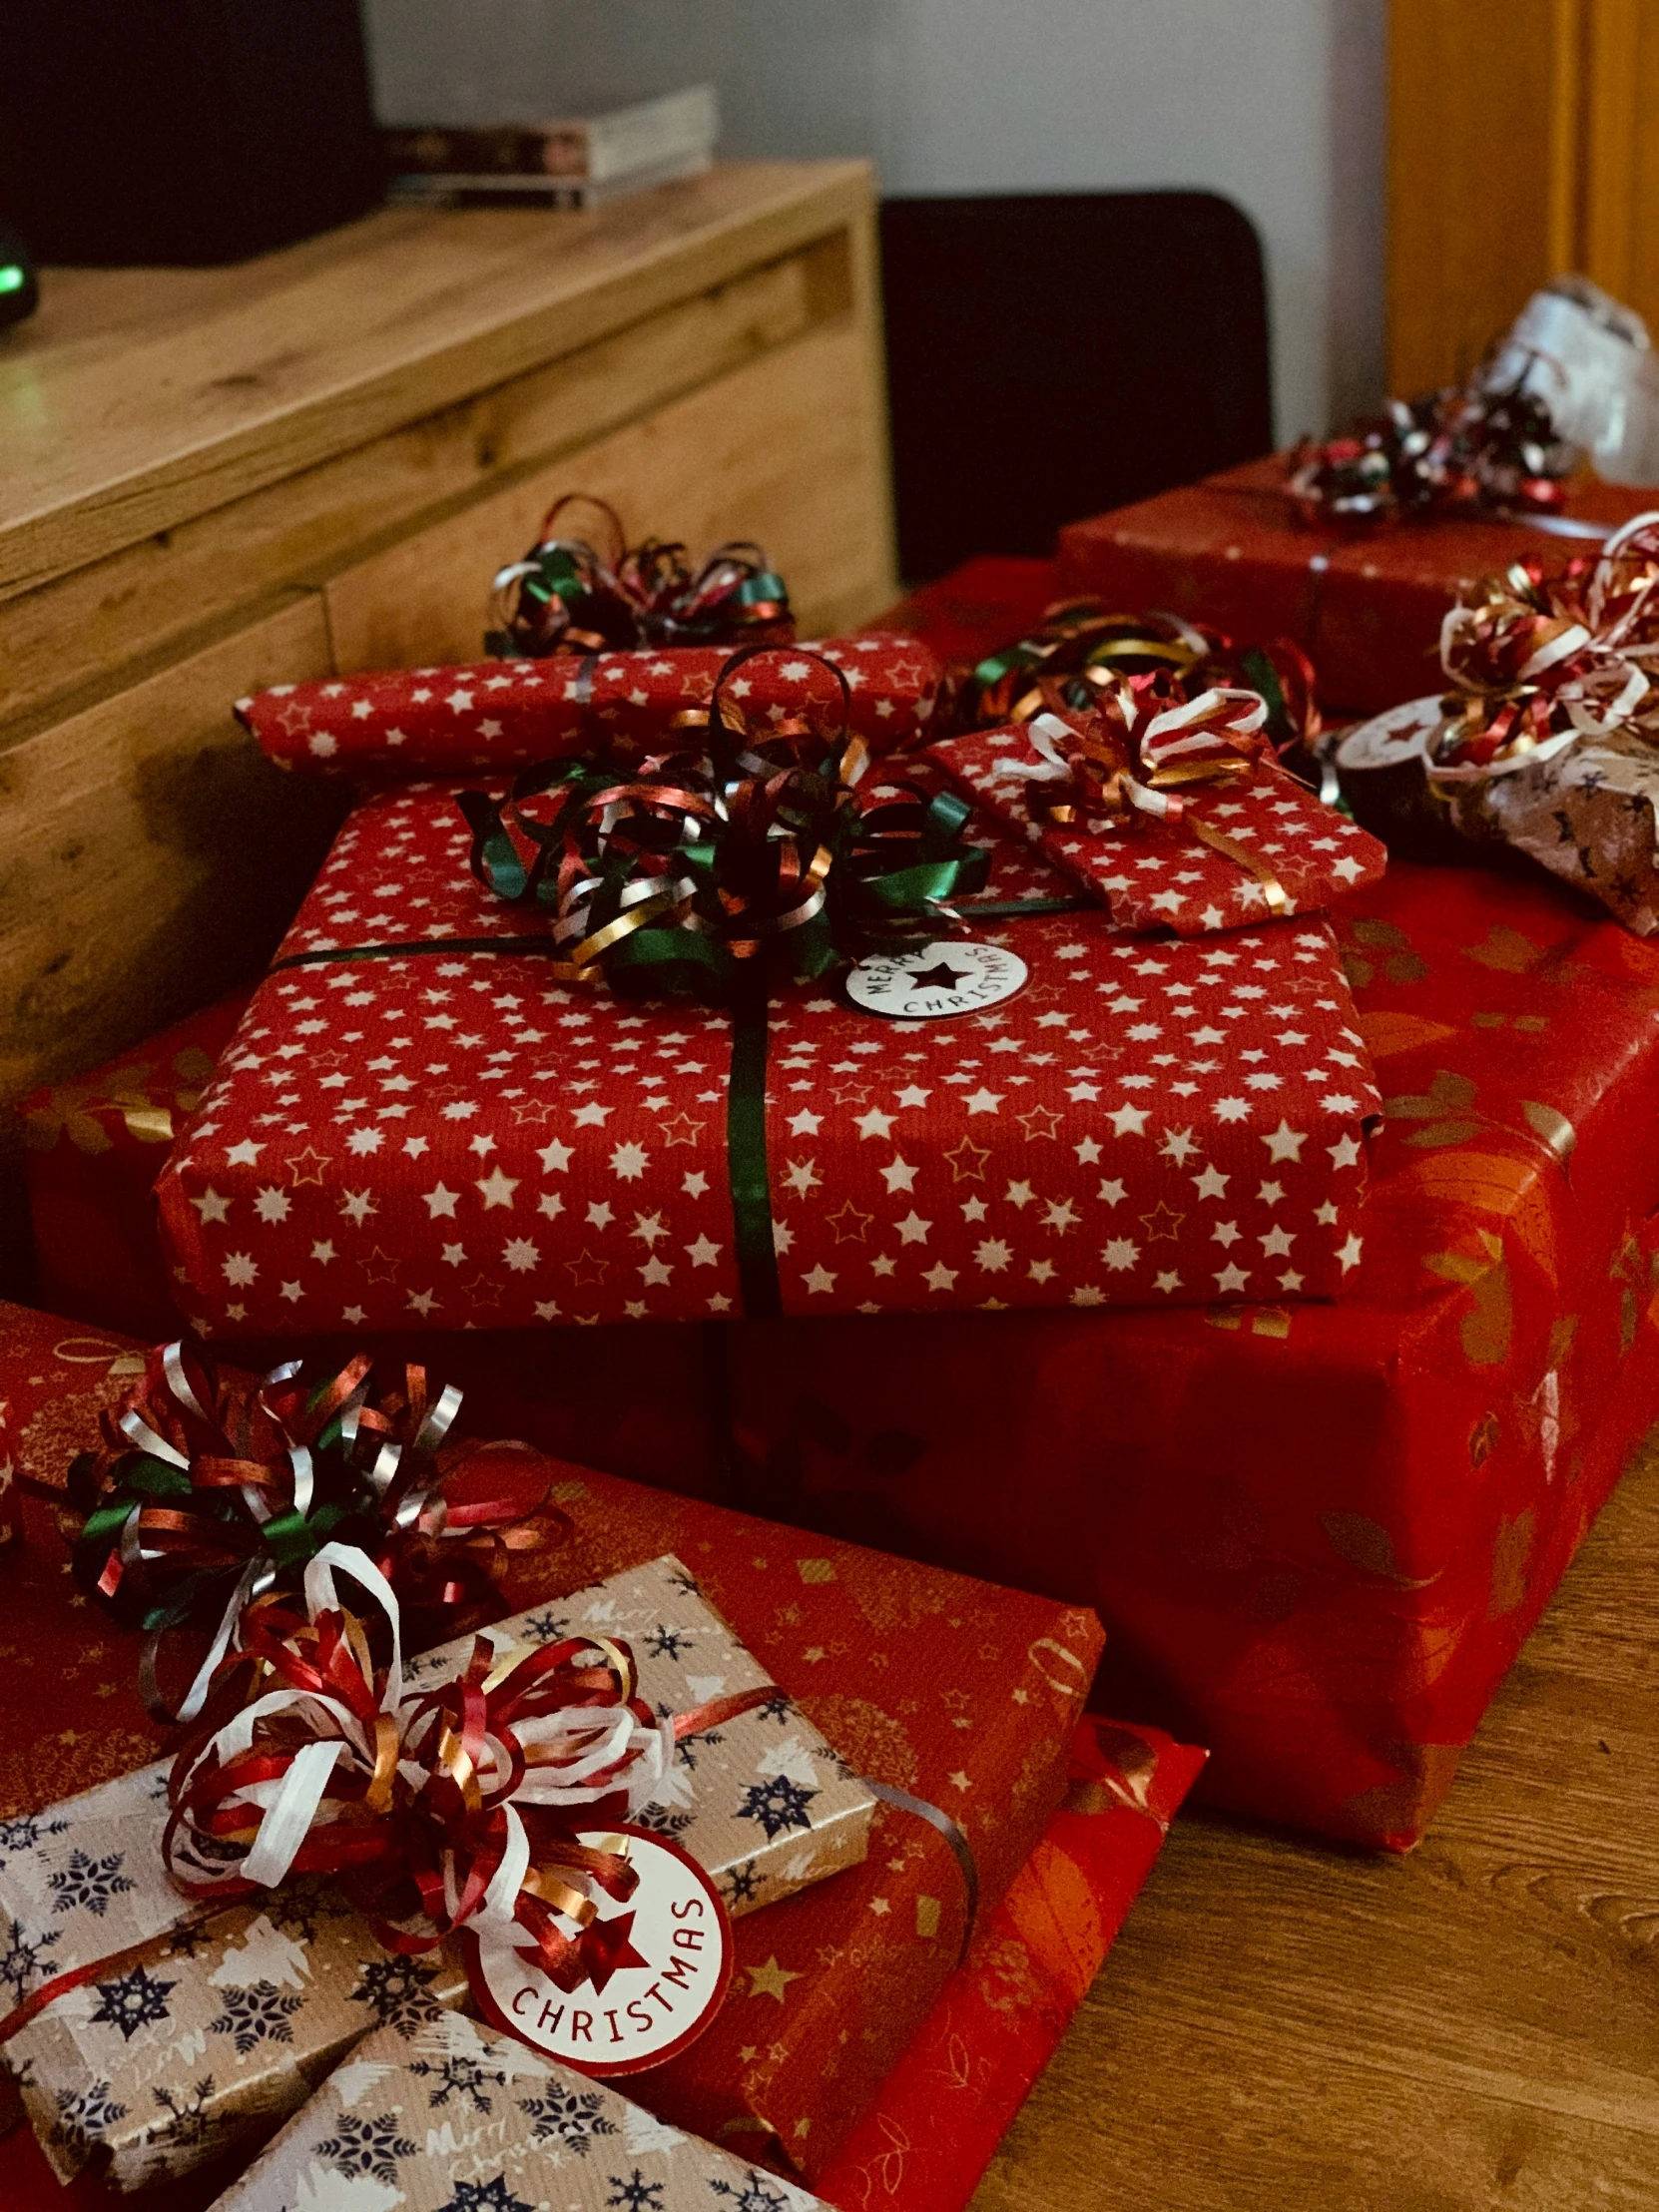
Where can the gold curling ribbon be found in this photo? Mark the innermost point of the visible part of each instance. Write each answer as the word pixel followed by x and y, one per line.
pixel 1271 890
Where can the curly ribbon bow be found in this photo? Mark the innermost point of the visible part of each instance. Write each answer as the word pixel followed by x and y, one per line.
pixel 210 1496
pixel 445 1807
pixel 1538 663
pixel 1082 653
pixel 1134 754
pixel 1469 450
pixel 718 870
pixel 567 597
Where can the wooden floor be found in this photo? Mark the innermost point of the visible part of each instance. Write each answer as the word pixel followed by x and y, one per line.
pixel 1282 2028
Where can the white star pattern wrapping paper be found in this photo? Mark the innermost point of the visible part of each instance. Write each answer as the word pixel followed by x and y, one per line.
pixel 500 715
pixel 1157 875
pixel 441 1135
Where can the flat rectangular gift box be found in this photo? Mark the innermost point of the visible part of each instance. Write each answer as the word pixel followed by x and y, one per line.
pixel 960 1696
pixel 1365 605
pixel 438 1137
pixel 763 1804
pixel 939 2115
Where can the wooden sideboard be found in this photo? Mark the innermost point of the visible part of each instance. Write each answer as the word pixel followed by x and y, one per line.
pixel 211 480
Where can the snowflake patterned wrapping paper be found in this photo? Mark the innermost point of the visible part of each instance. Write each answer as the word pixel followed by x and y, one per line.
pixel 1153 873
pixel 460 2120
pixel 129 2062
pixel 959 1694
pixel 1588 814
pixel 449 1138
pixel 502 715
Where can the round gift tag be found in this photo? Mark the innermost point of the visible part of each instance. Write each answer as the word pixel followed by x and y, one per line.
pixel 1381 765
pixel 657 1969
pixel 928 981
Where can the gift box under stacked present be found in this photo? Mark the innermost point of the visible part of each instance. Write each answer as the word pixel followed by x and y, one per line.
pixel 855 1963
pixel 1316 1532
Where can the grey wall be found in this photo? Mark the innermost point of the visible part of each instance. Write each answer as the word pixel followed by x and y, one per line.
pixel 1276 103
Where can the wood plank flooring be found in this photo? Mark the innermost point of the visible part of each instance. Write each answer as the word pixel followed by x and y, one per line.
pixel 1472 2029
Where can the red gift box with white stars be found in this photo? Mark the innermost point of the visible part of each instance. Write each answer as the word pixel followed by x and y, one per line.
pixel 1157 873
pixel 417 1128
pixel 495 716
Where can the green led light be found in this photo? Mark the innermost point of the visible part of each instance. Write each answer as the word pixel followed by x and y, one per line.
pixel 12 278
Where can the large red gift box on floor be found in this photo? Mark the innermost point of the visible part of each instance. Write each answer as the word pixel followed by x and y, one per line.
pixel 1317 1534
pixel 1364 605
pixel 959 1695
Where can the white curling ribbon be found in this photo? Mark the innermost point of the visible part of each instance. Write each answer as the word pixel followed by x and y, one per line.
pixel 1045 731
pixel 322 1597
pixel 288 1821
pixel 508 1878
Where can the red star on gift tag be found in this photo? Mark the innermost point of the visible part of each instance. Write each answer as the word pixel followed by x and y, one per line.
pixel 604 1949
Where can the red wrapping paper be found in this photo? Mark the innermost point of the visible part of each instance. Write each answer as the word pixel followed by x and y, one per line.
pixel 935 2125
pixel 500 716
pixel 1153 873
pixel 1317 1535
pixel 1365 606
pixel 93 1148
pixel 446 1139
pixel 961 1694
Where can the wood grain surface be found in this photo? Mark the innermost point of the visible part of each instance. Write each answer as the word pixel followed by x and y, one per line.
pixel 1472 2029
pixel 218 479
pixel 121 423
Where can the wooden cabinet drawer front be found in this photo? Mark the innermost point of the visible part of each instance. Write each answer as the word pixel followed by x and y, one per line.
pixel 64 638
pixel 787 450
pixel 149 854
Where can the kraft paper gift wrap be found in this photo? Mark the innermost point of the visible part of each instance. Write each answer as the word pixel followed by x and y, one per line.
pixel 169 2059
pixel 456 2119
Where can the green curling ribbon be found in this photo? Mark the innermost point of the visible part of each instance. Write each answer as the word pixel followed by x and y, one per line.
pixel 721 870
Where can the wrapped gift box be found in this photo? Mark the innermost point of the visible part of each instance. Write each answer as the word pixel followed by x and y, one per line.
pixel 460 2120
pixel 1317 1535
pixel 1155 874
pixel 940 2114
pixel 171 2056
pixel 501 716
pixel 442 1138
pixel 93 1148
pixel 960 1696
pixel 949 2102
pixel 1365 605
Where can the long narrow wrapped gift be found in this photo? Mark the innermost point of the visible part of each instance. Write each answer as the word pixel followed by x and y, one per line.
pixel 959 1697
pixel 454 2119
pixel 496 716
pixel 417 1127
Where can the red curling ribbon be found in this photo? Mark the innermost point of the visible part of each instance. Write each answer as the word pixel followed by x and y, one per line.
pixel 1477 449
pixel 438 1806
pixel 568 596
pixel 210 1493
pixel 1538 663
